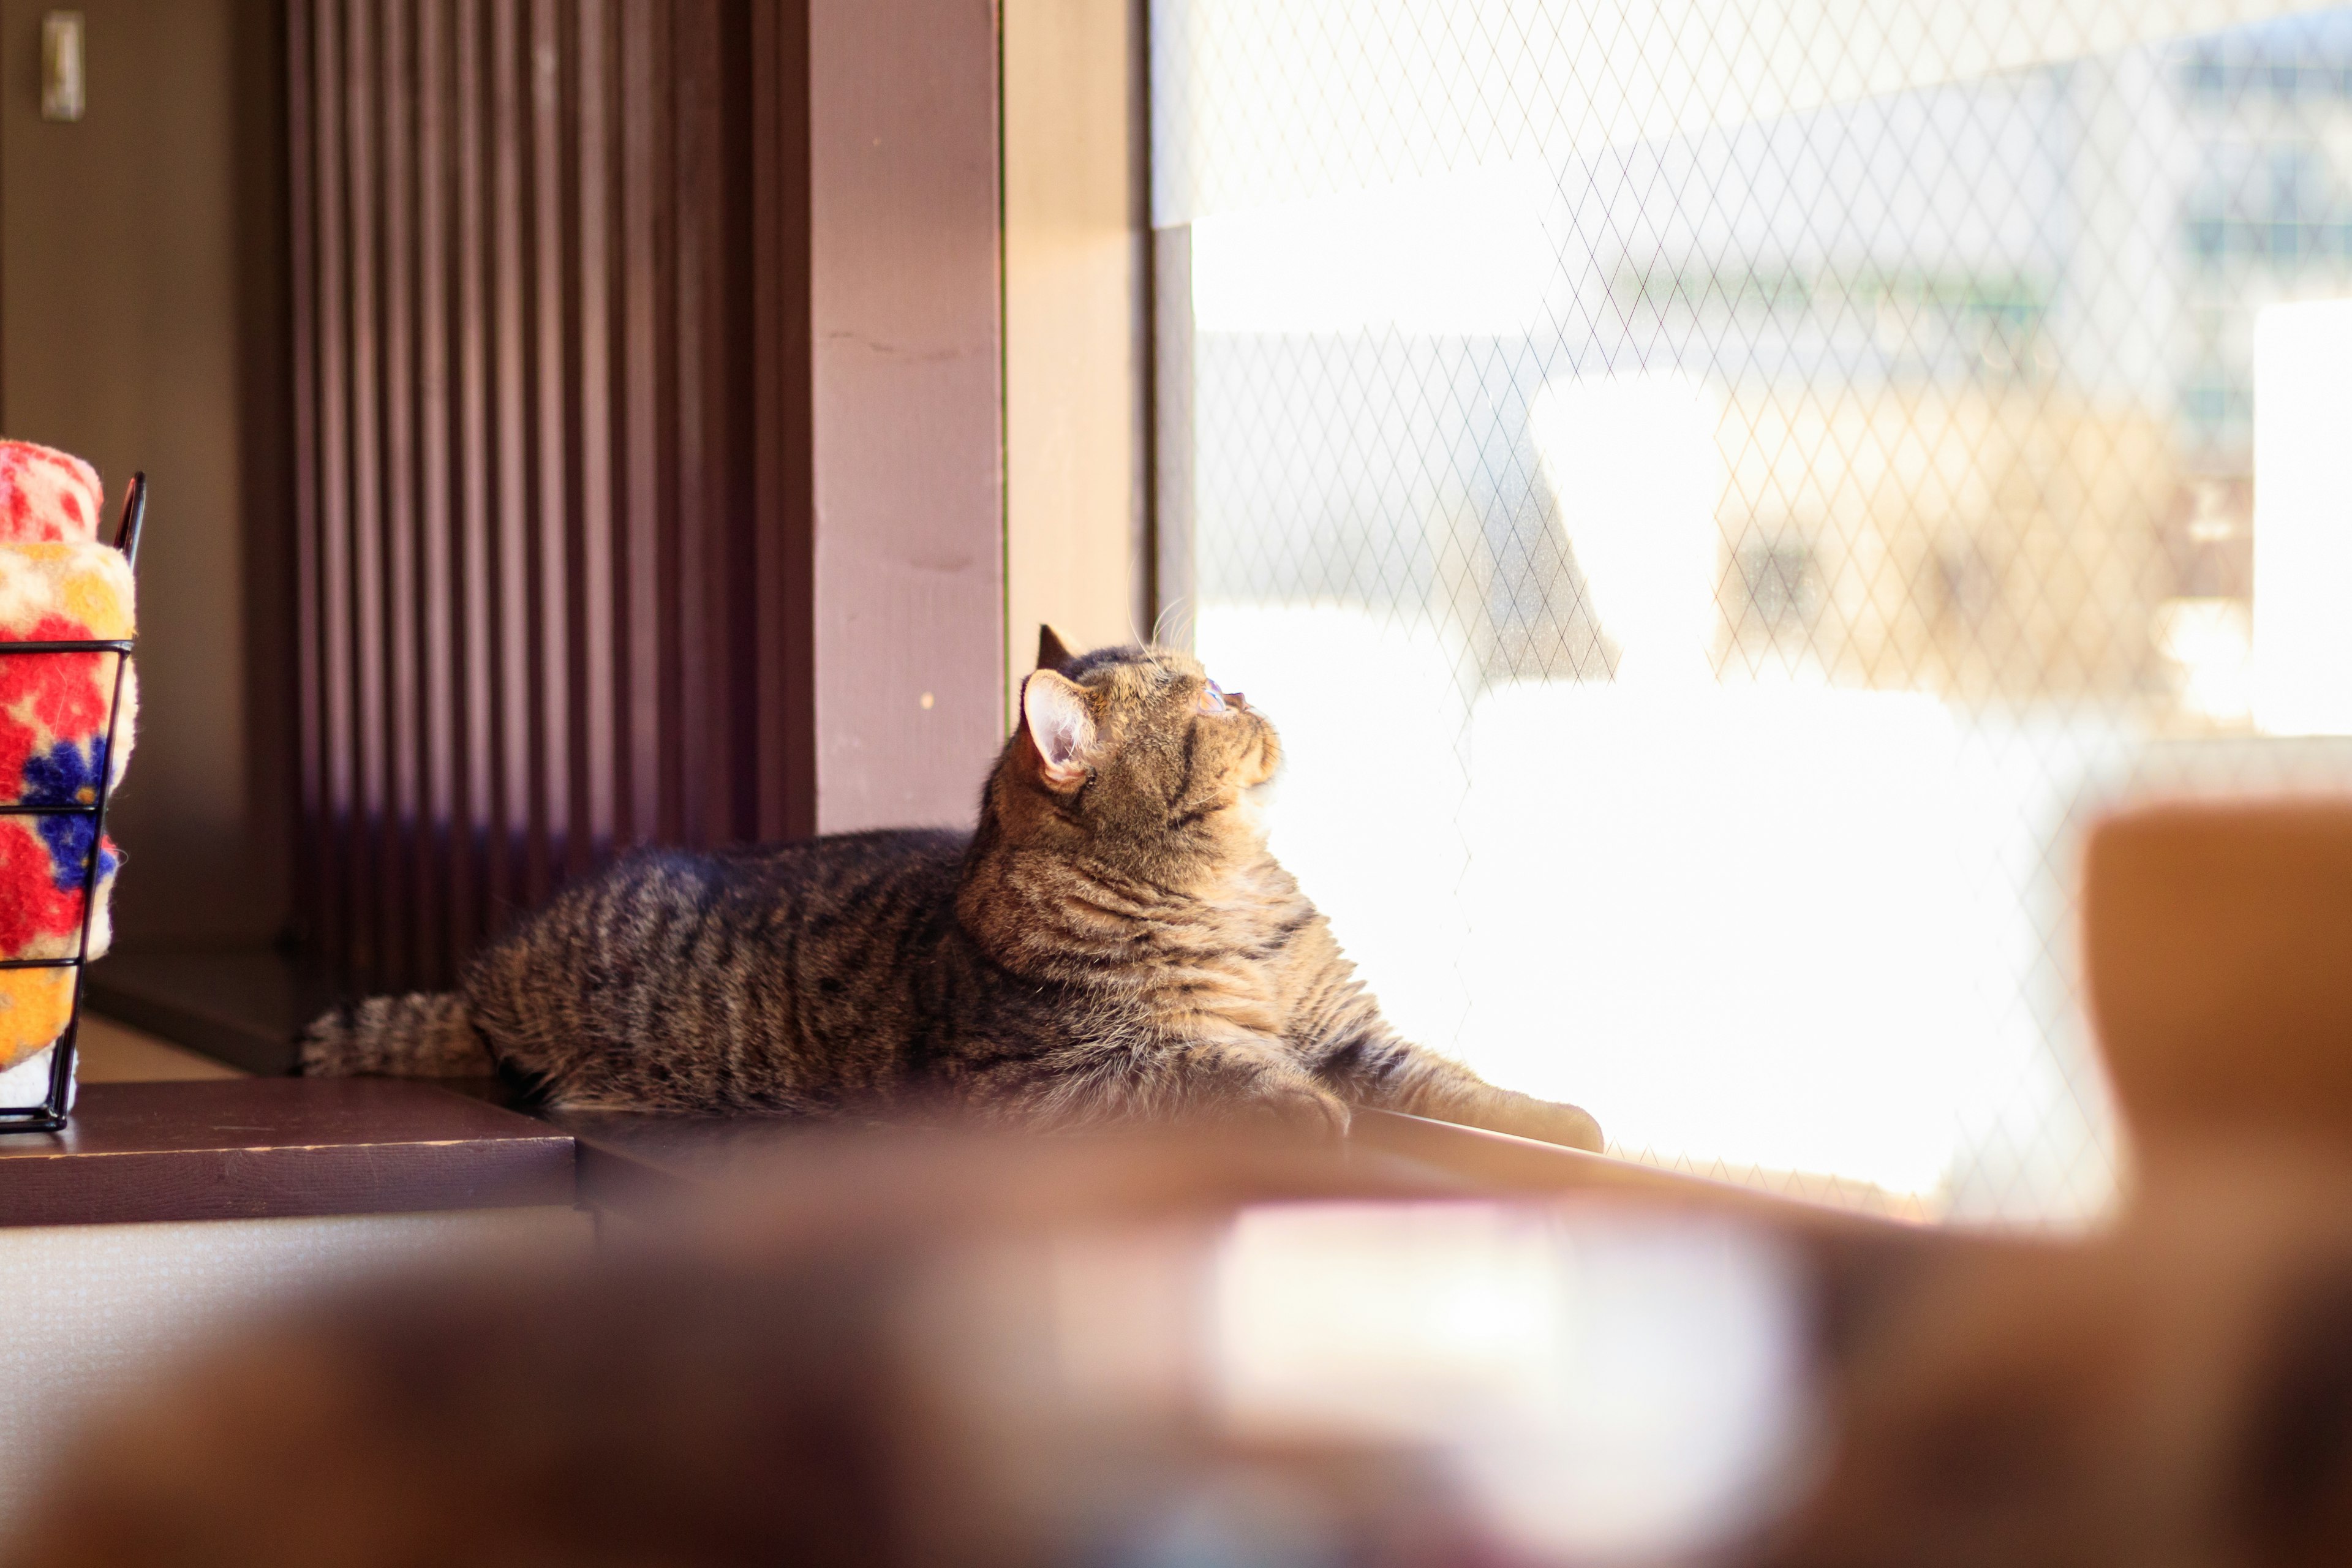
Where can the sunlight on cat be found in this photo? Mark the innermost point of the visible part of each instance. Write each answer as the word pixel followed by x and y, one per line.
pixel 1750 923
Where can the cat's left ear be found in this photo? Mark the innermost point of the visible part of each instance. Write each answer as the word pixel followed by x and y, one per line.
pixel 1052 651
pixel 1053 709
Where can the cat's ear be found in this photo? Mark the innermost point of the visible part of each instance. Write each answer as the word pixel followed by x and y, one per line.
pixel 1051 652
pixel 1053 709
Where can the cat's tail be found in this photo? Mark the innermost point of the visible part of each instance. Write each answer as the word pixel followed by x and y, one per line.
pixel 421 1034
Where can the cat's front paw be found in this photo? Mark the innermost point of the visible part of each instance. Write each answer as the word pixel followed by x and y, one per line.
pixel 1301 1110
pixel 1553 1121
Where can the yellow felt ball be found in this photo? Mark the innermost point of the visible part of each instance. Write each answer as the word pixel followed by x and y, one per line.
pixel 35 1004
pixel 90 584
pixel 96 603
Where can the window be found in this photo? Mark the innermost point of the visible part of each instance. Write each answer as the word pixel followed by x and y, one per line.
pixel 1717 497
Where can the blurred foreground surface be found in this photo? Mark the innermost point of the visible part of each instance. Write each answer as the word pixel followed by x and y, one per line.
pixel 893 1349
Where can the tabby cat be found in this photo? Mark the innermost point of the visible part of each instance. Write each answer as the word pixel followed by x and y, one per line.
pixel 1114 942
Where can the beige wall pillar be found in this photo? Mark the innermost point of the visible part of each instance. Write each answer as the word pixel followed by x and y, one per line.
pixel 1076 345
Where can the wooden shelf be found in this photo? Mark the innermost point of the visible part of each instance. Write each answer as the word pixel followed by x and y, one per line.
pixel 257 1148
pixel 279 1148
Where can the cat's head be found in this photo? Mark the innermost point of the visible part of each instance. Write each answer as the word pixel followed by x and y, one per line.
pixel 1134 753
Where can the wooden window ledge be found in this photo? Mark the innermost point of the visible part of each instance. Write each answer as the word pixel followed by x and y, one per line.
pixel 283 1147
pixel 279 1148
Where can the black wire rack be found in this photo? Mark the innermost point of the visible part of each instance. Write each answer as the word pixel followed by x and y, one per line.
pixel 50 1116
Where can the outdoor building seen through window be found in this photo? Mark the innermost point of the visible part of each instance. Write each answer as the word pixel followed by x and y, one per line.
pixel 1716 496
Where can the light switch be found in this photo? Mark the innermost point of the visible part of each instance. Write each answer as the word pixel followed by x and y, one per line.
pixel 61 82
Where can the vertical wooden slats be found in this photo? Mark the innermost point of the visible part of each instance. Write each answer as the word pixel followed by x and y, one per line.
pixel 312 840
pixel 471 880
pixel 706 792
pixel 372 885
pixel 440 883
pixel 552 676
pixel 531 586
pixel 408 878
pixel 648 384
pixel 592 437
pixel 333 898
pixel 509 461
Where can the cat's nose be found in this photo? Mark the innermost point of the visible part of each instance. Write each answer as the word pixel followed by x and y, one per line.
pixel 1238 699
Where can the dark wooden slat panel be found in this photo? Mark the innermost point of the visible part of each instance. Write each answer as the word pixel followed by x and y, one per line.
pixel 656 697
pixel 336 910
pixel 552 674
pixel 474 481
pixel 595 644
pixel 528 504
pixel 408 880
pixel 441 864
pixel 312 852
pixel 703 731
pixel 375 895
pixel 510 458
pixel 648 388
pixel 557 567
pixel 778 33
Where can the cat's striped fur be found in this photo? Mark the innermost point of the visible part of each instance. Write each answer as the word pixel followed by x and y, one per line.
pixel 1113 941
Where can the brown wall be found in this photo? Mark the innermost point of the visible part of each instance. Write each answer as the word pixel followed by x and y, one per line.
pixel 142 277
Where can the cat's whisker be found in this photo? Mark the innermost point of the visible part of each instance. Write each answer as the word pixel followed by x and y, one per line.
pixel 1171 608
pixel 1146 645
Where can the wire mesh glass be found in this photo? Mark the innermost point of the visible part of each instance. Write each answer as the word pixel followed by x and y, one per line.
pixel 1718 495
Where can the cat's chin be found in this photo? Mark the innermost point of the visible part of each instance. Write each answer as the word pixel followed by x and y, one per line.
pixel 1256 805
